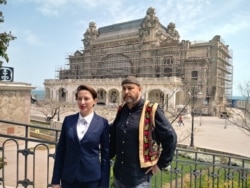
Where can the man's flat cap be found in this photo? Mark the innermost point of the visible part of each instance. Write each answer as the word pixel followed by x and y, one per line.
pixel 131 80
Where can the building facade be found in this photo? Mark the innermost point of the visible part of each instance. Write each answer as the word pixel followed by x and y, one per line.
pixel 173 72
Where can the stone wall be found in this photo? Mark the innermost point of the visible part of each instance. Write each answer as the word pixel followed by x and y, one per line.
pixel 15 103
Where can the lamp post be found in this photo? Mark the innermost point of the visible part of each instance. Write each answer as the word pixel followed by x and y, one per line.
pixel 192 127
pixel 199 95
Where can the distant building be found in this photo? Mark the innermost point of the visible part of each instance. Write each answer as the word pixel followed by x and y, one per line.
pixel 173 72
pixel 241 103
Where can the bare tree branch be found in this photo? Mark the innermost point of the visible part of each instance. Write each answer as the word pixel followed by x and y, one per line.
pixel 241 114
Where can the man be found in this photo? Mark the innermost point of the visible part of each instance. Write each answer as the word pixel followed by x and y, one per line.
pixel 132 140
pixel 180 121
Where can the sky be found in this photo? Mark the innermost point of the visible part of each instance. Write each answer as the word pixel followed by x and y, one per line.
pixel 48 31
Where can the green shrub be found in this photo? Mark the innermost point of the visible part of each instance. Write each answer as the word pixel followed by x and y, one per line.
pixel 2 162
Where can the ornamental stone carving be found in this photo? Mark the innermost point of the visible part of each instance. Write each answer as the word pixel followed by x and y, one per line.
pixel 90 34
pixel 149 22
pixel 174 34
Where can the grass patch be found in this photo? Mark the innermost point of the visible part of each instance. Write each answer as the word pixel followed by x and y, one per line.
pixel 187 173
pixel 2 162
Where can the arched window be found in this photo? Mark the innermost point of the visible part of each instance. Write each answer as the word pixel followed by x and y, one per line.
pixel 114 66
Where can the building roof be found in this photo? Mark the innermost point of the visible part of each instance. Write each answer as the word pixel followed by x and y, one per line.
pixel 134 24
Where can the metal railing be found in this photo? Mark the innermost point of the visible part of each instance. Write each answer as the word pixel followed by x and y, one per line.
pixel 28 162
pixel 197 169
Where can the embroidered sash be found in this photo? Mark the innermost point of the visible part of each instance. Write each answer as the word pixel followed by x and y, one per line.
pixel 149 150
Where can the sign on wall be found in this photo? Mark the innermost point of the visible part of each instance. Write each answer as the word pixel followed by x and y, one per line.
pixel 7 74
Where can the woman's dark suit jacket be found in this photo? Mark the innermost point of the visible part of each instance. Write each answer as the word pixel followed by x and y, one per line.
pixel 81 159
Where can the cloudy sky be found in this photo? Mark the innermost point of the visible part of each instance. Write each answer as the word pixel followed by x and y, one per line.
pixel 48 31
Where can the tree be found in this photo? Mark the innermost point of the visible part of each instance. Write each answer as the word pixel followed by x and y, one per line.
pixel 241 114
pixel 5 38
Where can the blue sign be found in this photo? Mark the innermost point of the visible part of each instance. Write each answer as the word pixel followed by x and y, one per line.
pixel 7 74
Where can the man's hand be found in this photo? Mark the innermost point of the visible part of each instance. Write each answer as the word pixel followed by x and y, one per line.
pixel 154 169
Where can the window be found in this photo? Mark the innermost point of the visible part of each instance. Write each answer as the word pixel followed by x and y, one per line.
pixel 168 72
pixel 194 75
pixel 168 61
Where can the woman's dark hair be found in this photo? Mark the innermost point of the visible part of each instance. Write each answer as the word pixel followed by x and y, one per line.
pixel 88 88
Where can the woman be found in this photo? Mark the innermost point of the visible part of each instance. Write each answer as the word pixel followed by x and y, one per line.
pixel 82 153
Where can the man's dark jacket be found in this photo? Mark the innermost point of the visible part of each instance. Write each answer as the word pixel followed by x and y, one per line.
pixel 124 143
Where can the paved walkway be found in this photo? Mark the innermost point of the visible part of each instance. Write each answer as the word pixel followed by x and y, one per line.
pixel 214 133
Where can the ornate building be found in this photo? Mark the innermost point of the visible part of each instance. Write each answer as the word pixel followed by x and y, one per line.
pixel 172 72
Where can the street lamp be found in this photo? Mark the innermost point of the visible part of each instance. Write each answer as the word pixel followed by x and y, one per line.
pixel 199 95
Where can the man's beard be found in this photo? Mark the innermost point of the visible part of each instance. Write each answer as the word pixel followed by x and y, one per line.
pixel 131 99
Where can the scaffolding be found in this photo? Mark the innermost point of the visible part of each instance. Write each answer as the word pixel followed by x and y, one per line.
pixel 132 59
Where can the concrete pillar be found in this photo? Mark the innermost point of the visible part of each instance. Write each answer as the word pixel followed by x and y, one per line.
pixel 15 104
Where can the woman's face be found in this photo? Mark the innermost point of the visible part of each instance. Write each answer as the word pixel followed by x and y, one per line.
pixel 85 102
